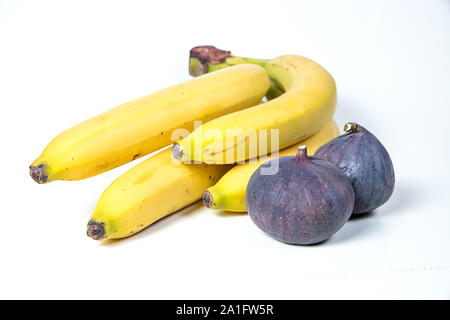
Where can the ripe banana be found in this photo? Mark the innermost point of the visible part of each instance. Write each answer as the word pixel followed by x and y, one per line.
pixel 229 192
pixel 308 102
pixel 142 126
pixel 148 192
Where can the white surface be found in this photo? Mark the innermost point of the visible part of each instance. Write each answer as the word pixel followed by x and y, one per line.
pixel 62 62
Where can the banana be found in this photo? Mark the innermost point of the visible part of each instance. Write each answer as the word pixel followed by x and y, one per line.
pixel 229 192
pixel 142 126
pixel 153 189
pixel 308 102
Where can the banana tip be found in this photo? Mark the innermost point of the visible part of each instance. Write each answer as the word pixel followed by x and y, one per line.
pixel 96 230
pixel 37 173
pixel 207 199
pixel 177 151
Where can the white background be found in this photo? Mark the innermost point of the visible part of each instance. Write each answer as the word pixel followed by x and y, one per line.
pixel 64 61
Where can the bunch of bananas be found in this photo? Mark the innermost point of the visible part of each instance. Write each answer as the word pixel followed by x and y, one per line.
pixel 225 96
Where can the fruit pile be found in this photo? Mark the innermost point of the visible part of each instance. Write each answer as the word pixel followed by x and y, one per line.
pixel 230 149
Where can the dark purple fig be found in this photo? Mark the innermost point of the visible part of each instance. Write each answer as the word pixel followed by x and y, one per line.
pixel 366 162
pixel 305 202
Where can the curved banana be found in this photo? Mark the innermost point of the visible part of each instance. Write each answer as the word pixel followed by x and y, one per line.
pixel 142 126
pixel 148 192
pixel 229 192
pixel 308 103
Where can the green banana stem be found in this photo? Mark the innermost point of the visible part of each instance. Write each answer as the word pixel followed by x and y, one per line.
pixel 205 59
pixel 274 91
pixel 234 60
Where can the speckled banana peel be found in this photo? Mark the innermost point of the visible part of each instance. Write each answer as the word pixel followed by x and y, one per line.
pixel 145 125
pixel 229 192
pixel 153 189
pixel 307 104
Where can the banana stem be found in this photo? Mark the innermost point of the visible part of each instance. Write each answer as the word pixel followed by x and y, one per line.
pixel 204 59
pixel 274 91
pixel 234 60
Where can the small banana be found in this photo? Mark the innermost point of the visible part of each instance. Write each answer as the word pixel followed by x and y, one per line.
pixel 153 189
pixel 308 102
pixel 142 126
pixel 229 192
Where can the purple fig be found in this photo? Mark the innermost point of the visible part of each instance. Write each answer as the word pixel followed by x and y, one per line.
pixel 366 162
pixel 305 202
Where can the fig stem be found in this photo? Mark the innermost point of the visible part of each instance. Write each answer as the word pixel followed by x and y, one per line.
pixel 302 153
pixel 350 127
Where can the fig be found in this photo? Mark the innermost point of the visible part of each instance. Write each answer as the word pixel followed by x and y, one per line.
pixel 366 162
pixel 305 202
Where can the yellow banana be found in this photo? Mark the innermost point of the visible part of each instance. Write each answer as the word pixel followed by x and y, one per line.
pixel 148 192
pixel 308 102
pixel 142 126
pixel 229 192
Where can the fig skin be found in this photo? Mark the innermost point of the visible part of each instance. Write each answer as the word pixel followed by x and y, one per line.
pixel 305 202
pixel 366 162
